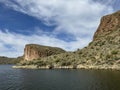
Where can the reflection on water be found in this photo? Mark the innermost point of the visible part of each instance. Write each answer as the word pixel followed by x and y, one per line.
pixel 23 79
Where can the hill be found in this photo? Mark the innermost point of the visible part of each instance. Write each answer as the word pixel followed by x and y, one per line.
pixel 102 53
pixel 6 60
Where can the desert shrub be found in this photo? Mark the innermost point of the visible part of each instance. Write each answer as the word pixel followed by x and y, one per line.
pixel 55 56
pixel 74 66
pixel 80 52
pixel 95 43
pixel 114 52
pixel 90 43
pixel 57 60
pixel 40 63
pixel 65 63
pixel 108 56
pixel 92 47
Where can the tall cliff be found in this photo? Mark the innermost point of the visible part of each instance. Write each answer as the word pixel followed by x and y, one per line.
pixel 34 51
pixel 108 23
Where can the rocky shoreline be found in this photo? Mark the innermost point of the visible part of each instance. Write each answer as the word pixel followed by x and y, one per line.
pixel 98 67
pixel 43 67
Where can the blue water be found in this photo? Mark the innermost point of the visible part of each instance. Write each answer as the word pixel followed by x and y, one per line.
pixel 25 79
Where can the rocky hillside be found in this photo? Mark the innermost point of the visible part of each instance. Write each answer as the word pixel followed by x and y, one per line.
pixel 6 60
pixel 34 51
pixel 108 23
pixel 102 52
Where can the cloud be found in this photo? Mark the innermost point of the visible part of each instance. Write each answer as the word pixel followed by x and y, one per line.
pixel 12 44
pixel 77 17
pixel 72 16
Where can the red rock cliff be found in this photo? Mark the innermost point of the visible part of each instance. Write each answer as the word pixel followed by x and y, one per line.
pixel 33 51
pixel 108 23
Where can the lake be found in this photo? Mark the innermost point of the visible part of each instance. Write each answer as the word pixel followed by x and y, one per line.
pixel 58 79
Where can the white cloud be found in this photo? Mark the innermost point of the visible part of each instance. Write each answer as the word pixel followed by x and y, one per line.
pixel 77 17
pixel 71 16
pixel 16 43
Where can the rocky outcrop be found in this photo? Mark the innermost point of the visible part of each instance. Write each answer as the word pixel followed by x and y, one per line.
pixel 34 51
pixel 108 23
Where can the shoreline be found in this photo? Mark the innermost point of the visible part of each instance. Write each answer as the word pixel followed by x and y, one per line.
pixel 89 67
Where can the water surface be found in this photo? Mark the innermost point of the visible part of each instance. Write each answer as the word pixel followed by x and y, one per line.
pixel 25 79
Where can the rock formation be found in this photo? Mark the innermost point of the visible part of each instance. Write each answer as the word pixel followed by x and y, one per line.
pixel 34 51
pixel 108 23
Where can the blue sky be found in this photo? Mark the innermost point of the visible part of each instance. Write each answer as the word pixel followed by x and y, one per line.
pixel 69 24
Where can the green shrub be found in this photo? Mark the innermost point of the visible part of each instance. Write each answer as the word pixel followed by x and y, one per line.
pixel 114 52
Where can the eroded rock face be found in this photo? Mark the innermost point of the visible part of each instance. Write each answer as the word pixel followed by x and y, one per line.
pixel 108 23
pixel 33 51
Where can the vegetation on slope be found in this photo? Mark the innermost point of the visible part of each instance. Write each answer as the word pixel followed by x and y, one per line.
pixel 105 50
pixel 6 60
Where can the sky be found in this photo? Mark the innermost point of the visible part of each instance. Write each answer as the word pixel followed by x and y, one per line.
pixel 68 24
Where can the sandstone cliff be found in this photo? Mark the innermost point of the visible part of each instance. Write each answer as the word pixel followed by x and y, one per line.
pixel 108 23
pixel 34 51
